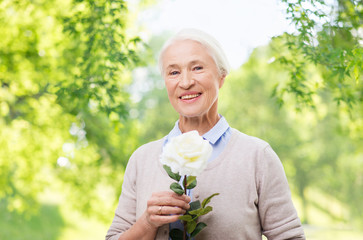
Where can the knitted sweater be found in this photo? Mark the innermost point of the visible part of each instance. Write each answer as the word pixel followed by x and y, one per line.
pixel 254 194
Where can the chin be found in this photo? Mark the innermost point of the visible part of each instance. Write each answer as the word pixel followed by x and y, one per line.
pixel 190 114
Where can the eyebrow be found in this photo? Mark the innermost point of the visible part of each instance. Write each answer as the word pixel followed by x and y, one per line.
pixel 196 61
pixel 174 65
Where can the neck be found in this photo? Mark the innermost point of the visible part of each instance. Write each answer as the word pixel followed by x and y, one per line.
pixel 201 124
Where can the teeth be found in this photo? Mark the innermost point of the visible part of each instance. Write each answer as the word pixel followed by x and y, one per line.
pixel 189 96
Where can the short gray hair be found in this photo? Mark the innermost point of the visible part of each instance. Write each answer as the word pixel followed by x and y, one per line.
pixel 210 43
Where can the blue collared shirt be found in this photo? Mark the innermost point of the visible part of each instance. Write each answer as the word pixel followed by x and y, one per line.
pixel 218 137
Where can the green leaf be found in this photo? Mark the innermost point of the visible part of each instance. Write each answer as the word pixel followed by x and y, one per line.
pixel 207 200
pixel 191 182
pixel 201 211
pixel 171 174
pixel 198 228
pixel 177 188
pixel 205 210
pixel 176 234
pixel 356 73
pixel 192 185
pixel 195 212
pixel 186 218
pixel 191 179
pixel 191 226
pixel 194 205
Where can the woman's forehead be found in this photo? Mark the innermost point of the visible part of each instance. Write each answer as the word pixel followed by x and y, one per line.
pixel 182 49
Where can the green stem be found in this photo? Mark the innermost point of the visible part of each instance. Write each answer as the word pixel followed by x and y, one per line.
pixel 185 192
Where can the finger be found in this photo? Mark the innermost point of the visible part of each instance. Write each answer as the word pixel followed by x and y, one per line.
pixel 168 198
pixel 168 201
pixel 163 219
pixel 167 210
pixel 171 194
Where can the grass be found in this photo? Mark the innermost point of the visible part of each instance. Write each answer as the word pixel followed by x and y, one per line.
pixel 81 227
pixel 321 233
pixel 328 218
pixel 47 224
pixel 50 223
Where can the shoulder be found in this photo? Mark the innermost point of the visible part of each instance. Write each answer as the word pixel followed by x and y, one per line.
pixel 247 141
pixel 150 146
pixel 146 152
pixel 254 150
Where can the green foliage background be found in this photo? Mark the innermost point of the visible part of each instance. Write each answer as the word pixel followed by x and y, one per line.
pixel 69 118
pixel 64 68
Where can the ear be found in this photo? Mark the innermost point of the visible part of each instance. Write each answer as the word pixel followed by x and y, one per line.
pixel 221 80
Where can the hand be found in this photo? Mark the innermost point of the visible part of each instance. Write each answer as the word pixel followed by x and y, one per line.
pixel 166 207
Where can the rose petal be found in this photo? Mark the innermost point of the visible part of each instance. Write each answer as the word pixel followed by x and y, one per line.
pixel 187 154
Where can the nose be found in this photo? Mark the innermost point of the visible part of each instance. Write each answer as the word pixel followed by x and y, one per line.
pixel 186 80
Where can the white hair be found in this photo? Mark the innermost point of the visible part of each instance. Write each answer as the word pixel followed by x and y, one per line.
pixel 210 43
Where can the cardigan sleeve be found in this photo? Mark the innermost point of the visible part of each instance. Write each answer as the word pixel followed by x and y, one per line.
pixel 125 214
pixel 279 219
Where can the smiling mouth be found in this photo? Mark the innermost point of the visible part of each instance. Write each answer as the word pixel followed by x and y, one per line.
pixel 191 96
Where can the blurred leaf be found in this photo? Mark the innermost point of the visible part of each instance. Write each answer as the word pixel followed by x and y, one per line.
pixel 191 182
pixel 208 199
pixel 177 188
pixel 194 205
pixel 191 226
pixel 171 174
pixel 186 218
pixel 176 234
pixel 200 226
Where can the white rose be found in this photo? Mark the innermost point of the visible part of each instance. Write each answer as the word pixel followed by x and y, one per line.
pixel 187 154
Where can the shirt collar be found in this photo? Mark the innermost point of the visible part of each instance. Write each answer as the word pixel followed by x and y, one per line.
pixel 217 131
pixel 212 135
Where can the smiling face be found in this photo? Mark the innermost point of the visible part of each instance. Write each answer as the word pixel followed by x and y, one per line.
pixel 192 79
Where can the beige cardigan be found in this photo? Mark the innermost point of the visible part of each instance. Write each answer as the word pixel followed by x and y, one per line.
pixel 254 194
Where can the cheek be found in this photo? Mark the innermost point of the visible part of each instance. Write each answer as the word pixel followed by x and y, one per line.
pixel 214 86
pixel 169 88
pixel 213 93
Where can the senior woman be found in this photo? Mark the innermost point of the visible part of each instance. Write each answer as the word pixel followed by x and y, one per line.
pixel 254 195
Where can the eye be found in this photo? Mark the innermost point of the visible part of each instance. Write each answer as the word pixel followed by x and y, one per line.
pixel 173 73
pixel 196 68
